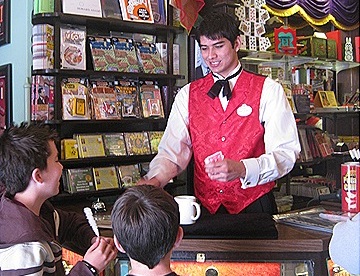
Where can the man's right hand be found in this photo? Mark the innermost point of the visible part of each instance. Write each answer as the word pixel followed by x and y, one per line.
pixel 153 181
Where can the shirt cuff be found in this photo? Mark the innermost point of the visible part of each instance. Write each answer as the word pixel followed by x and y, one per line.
pixel 152 175
pixel 251 178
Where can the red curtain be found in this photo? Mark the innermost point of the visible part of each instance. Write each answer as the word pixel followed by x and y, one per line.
pixel 189 11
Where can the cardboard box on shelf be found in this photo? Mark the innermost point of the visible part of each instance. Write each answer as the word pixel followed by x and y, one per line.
pixel 339 37
pixel 312 46
pixel 331 49
pixel 162 49
pixel 325 99
pixel 357 48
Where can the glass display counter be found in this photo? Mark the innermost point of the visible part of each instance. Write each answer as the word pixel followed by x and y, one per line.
pixel 296 252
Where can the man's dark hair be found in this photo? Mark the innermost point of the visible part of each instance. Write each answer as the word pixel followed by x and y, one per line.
pixel 145 221
pixel 22 149
pixel 216 25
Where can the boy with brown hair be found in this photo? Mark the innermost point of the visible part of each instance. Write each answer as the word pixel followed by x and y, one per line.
pixel 32 231
pixel 145 221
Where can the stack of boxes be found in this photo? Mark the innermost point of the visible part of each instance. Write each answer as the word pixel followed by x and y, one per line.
pixel 317 47
pixel 339 37
pixel 332 47
pixel 43 46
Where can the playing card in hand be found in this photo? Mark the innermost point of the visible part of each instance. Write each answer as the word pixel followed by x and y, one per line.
pixel 217 156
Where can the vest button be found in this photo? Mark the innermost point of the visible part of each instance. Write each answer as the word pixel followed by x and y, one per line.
pixel 223 139
pixel 221 191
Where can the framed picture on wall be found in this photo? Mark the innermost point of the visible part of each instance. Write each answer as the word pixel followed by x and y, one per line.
pixel 4 22
pixel 5 97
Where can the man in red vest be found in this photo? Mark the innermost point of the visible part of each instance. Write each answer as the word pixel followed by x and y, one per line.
pixel 244 119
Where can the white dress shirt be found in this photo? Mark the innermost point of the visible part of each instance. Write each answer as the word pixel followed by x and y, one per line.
pixel 281 138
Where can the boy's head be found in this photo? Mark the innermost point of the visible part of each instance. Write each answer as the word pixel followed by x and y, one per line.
pixel 216 25
pixel 22 149
pixel 145 221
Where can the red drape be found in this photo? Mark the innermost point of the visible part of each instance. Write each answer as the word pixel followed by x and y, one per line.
pixel 189 11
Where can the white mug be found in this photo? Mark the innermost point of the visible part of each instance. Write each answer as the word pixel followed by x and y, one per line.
pixel 189 209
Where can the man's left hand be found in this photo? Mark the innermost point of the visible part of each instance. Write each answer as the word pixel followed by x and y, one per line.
pixel 225 170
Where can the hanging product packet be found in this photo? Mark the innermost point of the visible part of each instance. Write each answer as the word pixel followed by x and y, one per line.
pixel 72 47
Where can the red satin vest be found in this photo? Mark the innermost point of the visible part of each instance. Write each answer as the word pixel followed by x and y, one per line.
pixel 238 137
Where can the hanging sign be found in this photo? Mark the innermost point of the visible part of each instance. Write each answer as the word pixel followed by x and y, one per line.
pixel 285 40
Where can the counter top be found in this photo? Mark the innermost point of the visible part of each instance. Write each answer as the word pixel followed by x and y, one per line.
pixel 290 239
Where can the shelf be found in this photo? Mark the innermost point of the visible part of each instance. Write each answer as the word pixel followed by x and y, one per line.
pixel 108 160
pixel 104 23
pixel 346 110
pixel 273 59
pixel 334 65
pixel 106 74
pixel 91 195
pixel 68 128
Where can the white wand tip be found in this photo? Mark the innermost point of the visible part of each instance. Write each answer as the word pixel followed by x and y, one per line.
pixel 91 220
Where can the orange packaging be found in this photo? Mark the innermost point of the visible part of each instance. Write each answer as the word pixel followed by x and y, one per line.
pixel 137 11
pixel 350 196
pixel 188 268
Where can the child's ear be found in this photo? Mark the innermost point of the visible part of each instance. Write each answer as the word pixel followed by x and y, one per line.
pixel 118 245
pixel 179 237
pixel 36 175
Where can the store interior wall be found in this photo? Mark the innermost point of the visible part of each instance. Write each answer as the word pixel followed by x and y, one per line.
pixel 18 53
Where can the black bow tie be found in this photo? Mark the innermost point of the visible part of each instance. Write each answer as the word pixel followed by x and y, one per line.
pixel 216 88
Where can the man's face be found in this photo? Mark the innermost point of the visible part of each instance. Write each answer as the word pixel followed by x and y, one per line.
pixel 219 54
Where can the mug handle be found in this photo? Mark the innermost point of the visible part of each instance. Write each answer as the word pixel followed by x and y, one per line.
pixel 198 210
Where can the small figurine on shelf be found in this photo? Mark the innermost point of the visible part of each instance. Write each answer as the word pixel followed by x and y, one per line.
pixel 349 56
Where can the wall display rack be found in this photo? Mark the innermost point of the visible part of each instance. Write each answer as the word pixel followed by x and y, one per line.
pixel 67 128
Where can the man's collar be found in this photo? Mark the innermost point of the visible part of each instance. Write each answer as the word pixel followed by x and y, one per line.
pixel 219 77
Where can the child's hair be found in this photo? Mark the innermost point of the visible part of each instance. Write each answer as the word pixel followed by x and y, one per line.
pixel 216 25
pixel 22 149
pixel 145 221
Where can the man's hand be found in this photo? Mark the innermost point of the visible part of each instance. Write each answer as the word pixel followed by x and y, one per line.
pixel 153 181
pixel 225 170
